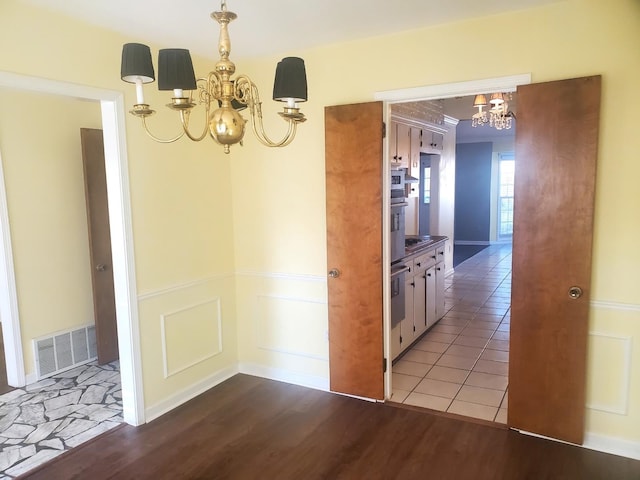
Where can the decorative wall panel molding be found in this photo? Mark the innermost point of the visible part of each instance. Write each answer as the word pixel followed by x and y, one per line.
pixel 616 306
pixel 191 335
pixel 617 350
pixel 295 326
pixel 182 286
pixel 283 276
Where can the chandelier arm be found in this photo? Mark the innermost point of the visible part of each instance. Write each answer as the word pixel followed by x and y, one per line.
pixel 255 110
pixel 160 140
pixel 265 140
pixel 184 119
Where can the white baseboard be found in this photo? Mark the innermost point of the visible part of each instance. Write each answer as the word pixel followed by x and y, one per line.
pixel 613 445
pixel 287 376
pixel 187 394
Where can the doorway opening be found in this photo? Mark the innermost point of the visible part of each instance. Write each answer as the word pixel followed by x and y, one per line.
pixel 460 365
pixel 112 115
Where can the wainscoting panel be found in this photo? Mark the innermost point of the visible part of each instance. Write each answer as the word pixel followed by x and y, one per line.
pixel 292 326
pixel 282 327
pixel 608 388
pixel 191 335
pixel 613 373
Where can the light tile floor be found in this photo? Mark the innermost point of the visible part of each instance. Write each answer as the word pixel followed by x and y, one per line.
pixel 461 365
pixel 42 420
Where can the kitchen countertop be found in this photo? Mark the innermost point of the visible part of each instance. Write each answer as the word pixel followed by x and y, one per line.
pixel 427 242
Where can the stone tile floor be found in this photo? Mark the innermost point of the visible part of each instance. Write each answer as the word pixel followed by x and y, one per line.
pixel 42 420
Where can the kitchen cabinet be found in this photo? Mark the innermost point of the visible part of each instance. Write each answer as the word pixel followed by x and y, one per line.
pixel 424 298
pixel 413 169
pixel 440 273
pixel 399 145
pixel 431 141
pixel 430 296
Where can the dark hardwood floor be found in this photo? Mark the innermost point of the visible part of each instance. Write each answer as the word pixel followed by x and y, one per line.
pixel 252 428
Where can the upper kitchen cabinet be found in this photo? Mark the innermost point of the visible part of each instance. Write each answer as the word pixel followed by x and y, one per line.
pixel 399 145
pixel 431 140
pixel 415 127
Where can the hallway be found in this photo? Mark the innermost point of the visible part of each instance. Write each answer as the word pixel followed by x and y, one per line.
pixel 461 365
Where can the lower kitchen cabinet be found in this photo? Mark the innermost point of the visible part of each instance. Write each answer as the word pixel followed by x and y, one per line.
pixel 439 289
pixel 424 299
pixel 430 296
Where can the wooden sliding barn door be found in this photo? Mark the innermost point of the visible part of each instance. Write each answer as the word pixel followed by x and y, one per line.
pixel 556 153
pixel 353 164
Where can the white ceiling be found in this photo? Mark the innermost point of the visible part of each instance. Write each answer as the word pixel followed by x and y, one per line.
pixel 276 26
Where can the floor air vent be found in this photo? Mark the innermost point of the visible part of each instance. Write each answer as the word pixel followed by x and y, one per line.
pixel 64 350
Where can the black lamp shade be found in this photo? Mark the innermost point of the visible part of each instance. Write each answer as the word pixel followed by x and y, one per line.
pixel 136 63
pixel 175 70
pixel 291 80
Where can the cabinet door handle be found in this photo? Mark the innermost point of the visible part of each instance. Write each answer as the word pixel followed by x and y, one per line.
pixel 433 256
pixel 413 284
pixel 428 274
pixel 438 268
pixel 418 264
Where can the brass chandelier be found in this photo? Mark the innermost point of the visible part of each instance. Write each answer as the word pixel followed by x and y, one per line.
pixel 222 96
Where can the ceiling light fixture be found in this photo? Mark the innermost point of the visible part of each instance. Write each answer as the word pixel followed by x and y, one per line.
pixel 221 95
pixel 498 116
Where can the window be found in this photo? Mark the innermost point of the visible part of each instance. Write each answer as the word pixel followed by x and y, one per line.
pixel 505 196
pixel 426 194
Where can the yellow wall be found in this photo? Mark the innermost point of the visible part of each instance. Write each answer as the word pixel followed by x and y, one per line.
pixel 280 227
pixel 180 201
pixel 47 215
pixel 189 223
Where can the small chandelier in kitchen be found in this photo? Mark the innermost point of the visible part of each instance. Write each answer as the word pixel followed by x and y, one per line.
pixel 498 115
pixel 222 96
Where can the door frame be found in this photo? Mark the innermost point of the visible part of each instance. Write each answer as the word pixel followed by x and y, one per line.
pixel 427 92
pixel 116 164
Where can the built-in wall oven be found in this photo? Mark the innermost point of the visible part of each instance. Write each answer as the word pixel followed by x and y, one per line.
pixel 398 205
pixel 397 293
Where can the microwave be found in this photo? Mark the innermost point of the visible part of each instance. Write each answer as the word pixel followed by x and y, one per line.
pixel 397 179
